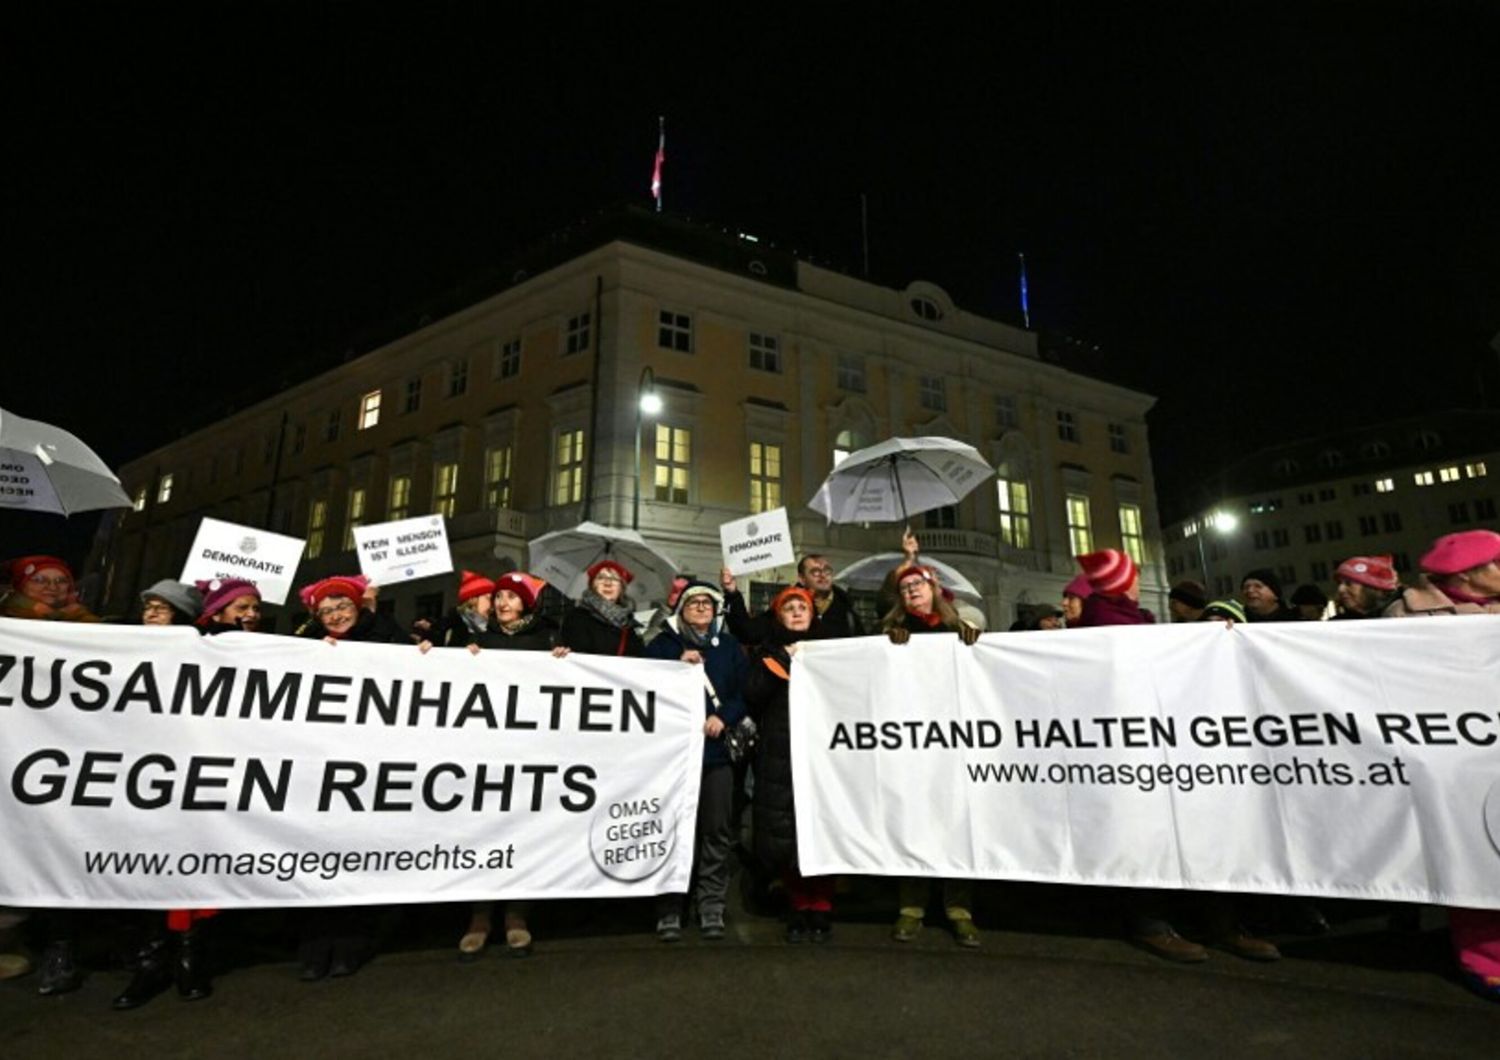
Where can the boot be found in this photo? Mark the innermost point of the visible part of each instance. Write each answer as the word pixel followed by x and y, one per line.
pixel 193 982
pixel 153 974
pixel 60 972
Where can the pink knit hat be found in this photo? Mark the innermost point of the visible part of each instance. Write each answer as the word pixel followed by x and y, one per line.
pixel 527 586
pixel 1374 571
pixel 1109 571
pixel 219 593
pixel 1079 587
pixel 1456 553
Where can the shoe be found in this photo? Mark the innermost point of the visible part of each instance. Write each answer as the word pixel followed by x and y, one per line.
pixel 1249 947
pixel 153 974
pixel 966 932
pixel 517 937
pixel 711 925
pixel 1171 946
pixel 819 928
pixel 669 928
pixel 796 927
pixel 907 928
pixel 60 973
pixel 316 956
pixel 13 966
pixel 1307 919
pixel 193 980
pixel 1486 986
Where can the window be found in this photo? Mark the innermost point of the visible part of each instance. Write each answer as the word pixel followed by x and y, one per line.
pixel 1391 521
pixel 369 410
pixel 1458 512
pixel 674 331
pixel 1385 485
pixel 577 338
pixel 765 353
pixel 1118 443
pixel 1328 493
pixel 568 468
pixel 1374 450
pixel 1306 498
pixel 1423 478
pixel 139 502
pixel 845 443
pixel 1334 529
pixel 497 477
pixel 356 516
pixel 164 489
pixel 851 373
pixel 931 393
pixel 1361 489
pixel 1484 509
pixel 1281 538
pixel 674 450
pixel 413 394
pixel 508 360
pixel 1331 458
pixel 458 377
pixel 1426 440
pixel 1286 467
pixel 299 438
pixel 1015 513
pixel 1476 470
pixel 765 477
pixel 331 426
pixel 445 489
pixel 1007 416
pixel 1262 539
pixel 926 308
pixel 1067 426
pixel 268 452
pixel 317 523
pixel 944 518
pixel 1131 535
pixel 1401 561
pixel 1080 537
pixel 1313 533
pixel 400 500
pixel 1448 474
pixel 1368 525
pixel 1319 572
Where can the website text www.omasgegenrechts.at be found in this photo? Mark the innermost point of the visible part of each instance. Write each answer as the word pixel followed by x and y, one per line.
pixel 288 865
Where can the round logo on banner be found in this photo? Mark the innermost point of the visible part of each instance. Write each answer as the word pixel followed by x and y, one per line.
pixel 1492 815
pixel 632 838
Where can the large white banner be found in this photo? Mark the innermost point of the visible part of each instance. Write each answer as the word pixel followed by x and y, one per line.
pixel 153 768
pixel 1350 759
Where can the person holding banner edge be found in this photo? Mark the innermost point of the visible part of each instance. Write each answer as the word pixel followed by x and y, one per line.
pixel 603 622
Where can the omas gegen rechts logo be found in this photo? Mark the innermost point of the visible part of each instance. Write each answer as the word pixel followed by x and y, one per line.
pixel 632 838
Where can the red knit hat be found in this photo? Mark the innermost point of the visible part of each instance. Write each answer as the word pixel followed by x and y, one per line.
pixel 1374 571
pixel 609 564
pixel 471 585
pixel 26 566
pixel 1109 570
pixel 527 586
pixel 1079 587
pixel 1456 553
pixel 351 585
pixel 219 593
pixel 788 593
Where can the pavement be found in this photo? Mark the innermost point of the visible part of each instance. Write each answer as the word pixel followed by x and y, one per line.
pixel 1046 982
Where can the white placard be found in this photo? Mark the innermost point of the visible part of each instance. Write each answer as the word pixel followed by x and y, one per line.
pixel 403 551
pixel 24 482
pixel 757 543
pixel 228 550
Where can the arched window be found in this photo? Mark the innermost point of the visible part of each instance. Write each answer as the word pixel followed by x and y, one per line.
pixel 926 308
pixel 846 442
pixel 1374 450
pixel 1331 458
pixel 1286 467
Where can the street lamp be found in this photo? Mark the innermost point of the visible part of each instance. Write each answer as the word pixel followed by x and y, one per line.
pixel 1224 523
pixel 647 401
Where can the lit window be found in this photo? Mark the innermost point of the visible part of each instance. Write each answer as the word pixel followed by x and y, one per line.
pixel 851 373
pixel 1007 417
pixel 674 331
pixel 497 477
pixel 400 503
pixel 1067 426
pixel 1385 485
pixel 765 352
pixel 458 377
pixel 578 334
pixel 673 454
pixel 139 504
pixel 1132 537
pixel 568 468
pixel 1118 443
pixel 164 490
pixel 765 477
pixel 1080 537
pixel 317 522
pixel 1476 470
pixel 1423 478
pixel 369 410
pixel 508 360
pixel 1449 474
pixel 445 490
pixel 356 516
pixel 413 393
pixel 1015 512
pixel 931 393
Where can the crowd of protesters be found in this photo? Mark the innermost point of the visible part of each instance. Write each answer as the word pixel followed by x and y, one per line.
pixel 747 660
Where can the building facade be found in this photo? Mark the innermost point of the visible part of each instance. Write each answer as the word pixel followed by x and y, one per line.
pixel 1303 508
pixel 517 413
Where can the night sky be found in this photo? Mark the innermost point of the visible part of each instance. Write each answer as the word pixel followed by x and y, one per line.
pixel 1277 220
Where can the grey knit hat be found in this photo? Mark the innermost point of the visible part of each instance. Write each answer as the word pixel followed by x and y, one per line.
pixel 185 600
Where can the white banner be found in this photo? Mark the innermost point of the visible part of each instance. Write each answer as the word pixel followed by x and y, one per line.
pixel 758 543
pixel 1348 759
pixel 228 550
pixel 153 768
pixel 403 551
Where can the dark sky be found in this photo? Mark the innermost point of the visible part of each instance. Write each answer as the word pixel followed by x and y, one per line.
pixel 1276 218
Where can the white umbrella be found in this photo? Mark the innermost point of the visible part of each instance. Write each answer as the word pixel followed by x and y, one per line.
pixel 563 558
pixel 869 573
pixel 899 477
pixel 46 469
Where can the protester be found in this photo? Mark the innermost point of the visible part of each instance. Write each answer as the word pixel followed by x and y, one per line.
pixel 1115 591
pixel 472 615
pixel 1186 601
pixel 767 687
pixel 695 634
pixel 1073 595
pixel 1367 586
pixel 834 614
pixel 342 608
pixel 13 964
pixel 42 587
pixel 229 604
pixel 170 603
pixel 1310 603
pixel 1260 591
pixel 603 622
pixel 1227 611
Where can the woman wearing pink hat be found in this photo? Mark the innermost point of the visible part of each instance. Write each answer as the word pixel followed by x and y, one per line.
pixel 229 604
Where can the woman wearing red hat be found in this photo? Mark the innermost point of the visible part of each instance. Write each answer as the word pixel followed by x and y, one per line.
pixel 42 587
pixel 602 623
pixel 515 625
pixel 472 615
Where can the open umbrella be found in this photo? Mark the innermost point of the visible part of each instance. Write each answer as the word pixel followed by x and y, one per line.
pixel 563 557
pixel 46 469
pixel 869 573
pixel 899 477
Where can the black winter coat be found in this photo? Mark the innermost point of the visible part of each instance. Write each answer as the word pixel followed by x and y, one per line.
pixel 587 633
pixel 370 628
pixel 774 813
pixel 840 620
pixel 539 635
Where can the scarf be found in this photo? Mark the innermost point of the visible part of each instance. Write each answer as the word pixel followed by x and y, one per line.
pixel 932 620
pixel 473 620
pixel 616 615
pixel 520 625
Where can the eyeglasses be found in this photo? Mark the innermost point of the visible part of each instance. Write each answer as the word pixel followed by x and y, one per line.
pixel 50 583
pixel 345 608
pixel 606 576
pixel 699 601
pixel 912 588
pixel 156 607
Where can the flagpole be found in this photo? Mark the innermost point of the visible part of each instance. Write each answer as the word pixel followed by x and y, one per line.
pixel 1025 305
pixel 661 154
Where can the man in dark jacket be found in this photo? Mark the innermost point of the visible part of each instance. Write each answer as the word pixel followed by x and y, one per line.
pixel 1260 591
pixel 833 610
